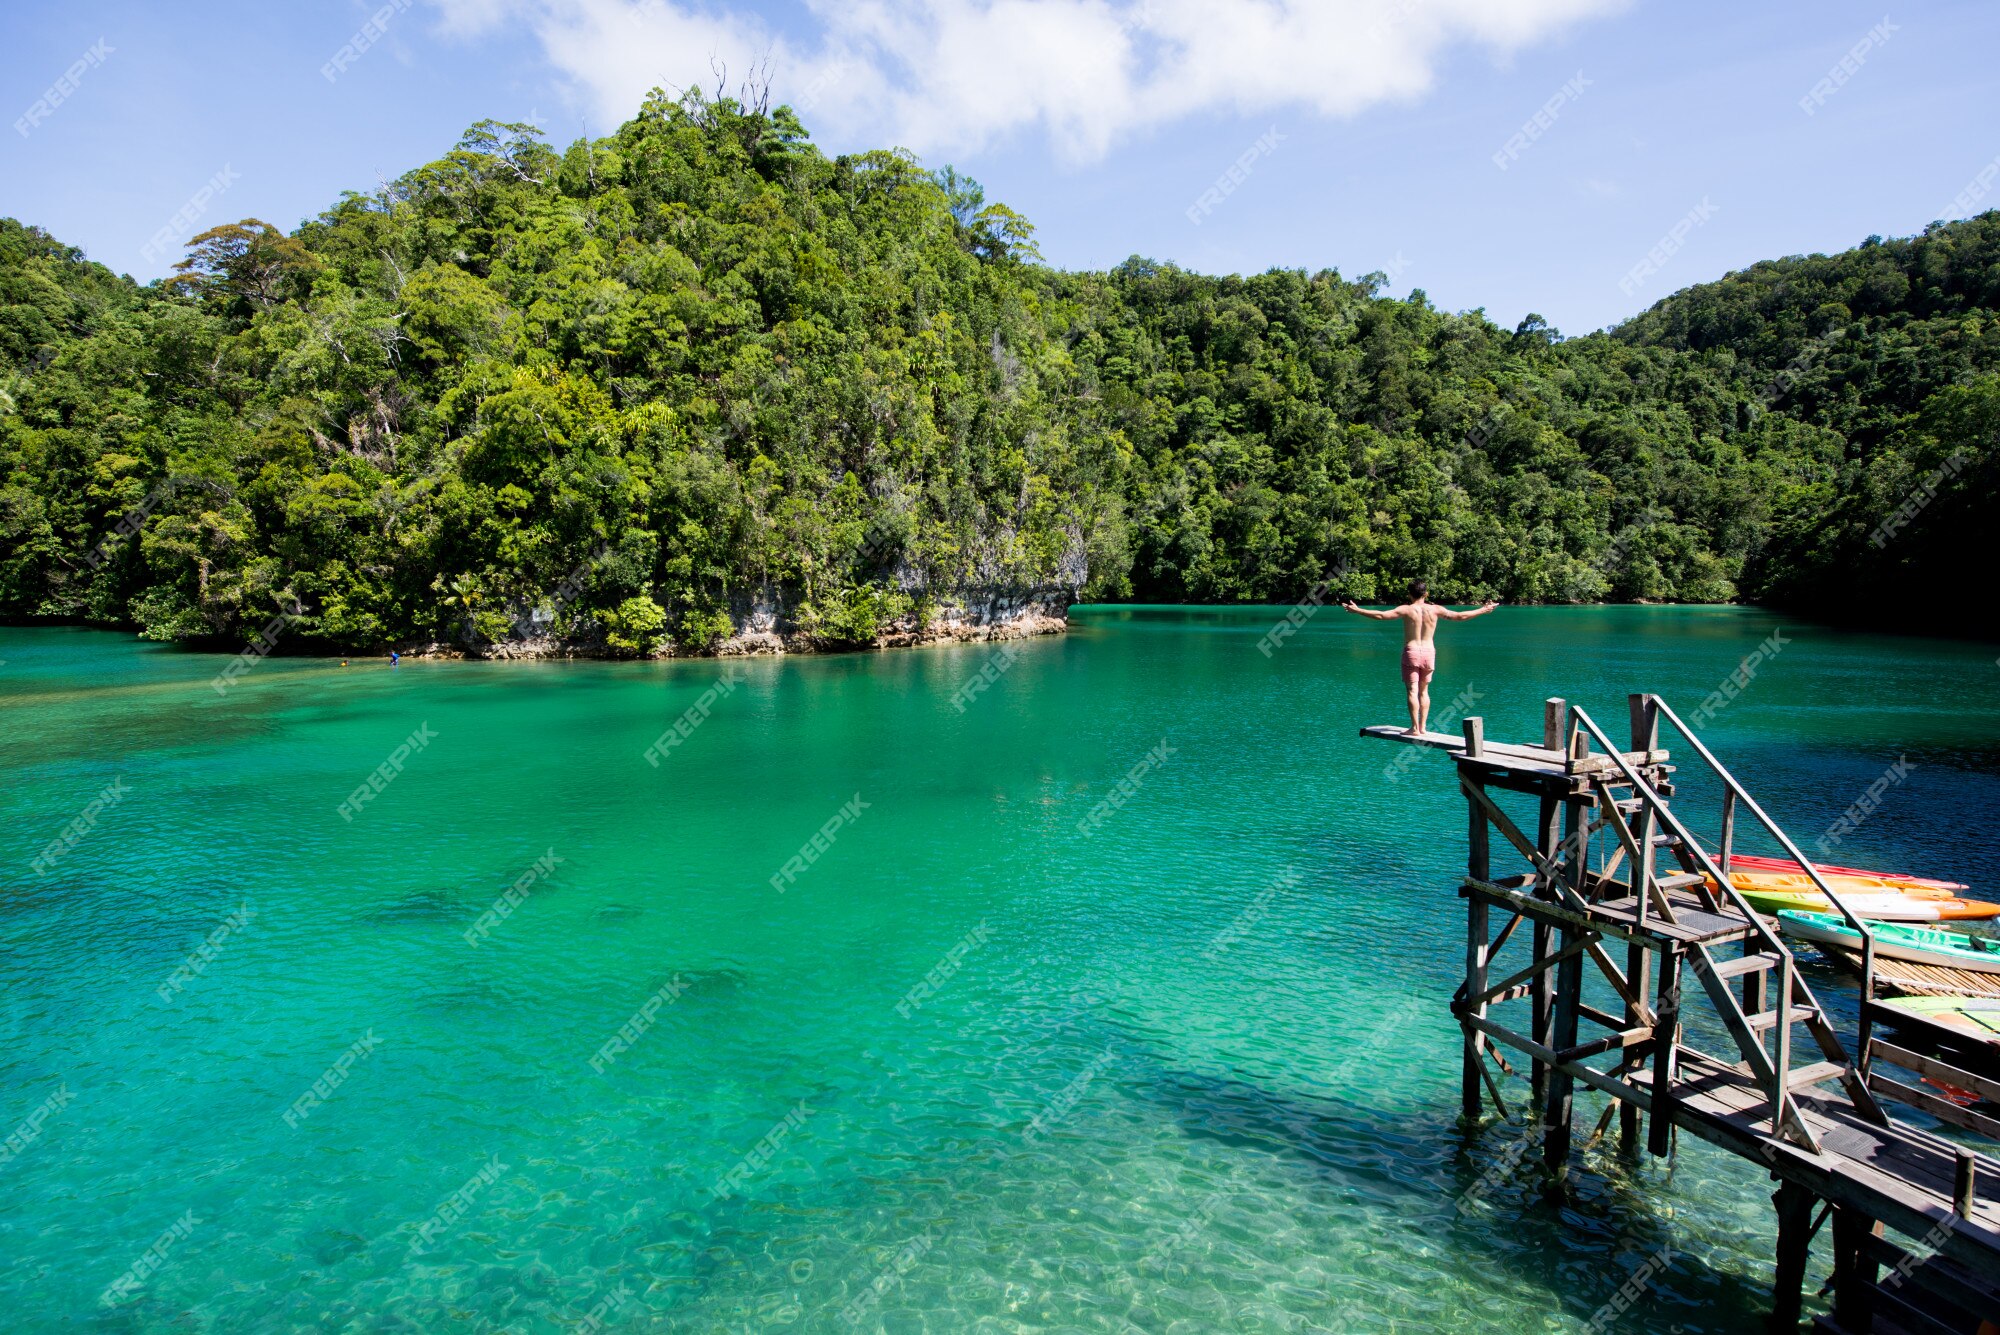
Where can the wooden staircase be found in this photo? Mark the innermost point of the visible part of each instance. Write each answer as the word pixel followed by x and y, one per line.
pixel 1769 998
pixel 1745 968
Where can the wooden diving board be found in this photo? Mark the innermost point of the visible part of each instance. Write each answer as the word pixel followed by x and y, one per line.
pixel 1541 761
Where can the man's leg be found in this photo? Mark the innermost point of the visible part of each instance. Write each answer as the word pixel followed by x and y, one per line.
pixel 1424 711
pixel 1416 704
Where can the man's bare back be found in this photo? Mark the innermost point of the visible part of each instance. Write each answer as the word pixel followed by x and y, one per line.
pixel 1420 617
pixel 1420 621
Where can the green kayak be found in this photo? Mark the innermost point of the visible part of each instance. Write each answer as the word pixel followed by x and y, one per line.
pixel 1897 940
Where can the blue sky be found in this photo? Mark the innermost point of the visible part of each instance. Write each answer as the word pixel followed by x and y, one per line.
pixel 1367 129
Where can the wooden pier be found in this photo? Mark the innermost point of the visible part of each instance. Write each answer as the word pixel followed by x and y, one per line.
pixel 1620 960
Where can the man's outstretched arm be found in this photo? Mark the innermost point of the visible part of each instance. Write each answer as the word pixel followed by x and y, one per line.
pixel 1350 606
pixel 1450 615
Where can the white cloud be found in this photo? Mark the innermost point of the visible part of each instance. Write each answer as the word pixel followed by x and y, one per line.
pixel 950 75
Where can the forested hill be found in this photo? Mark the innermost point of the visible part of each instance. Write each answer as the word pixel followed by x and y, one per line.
pixel 640 383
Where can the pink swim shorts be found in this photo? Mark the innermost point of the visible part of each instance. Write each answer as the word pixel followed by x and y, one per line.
pixel 1419 661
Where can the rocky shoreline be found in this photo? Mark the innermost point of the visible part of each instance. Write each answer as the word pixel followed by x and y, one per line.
pixel 763 627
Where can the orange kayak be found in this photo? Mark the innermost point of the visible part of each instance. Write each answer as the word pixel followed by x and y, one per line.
pixel 1751 862
pixel 1797 882
pixel 1869 896
pixel 1874 904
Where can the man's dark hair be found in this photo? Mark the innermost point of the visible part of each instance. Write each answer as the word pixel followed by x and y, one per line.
pixel 1419 589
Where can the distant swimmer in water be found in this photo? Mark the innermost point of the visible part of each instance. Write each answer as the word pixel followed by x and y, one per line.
pixel 1420 617
pixel 395 659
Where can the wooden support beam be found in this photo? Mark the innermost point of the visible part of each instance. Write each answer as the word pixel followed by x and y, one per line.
pixel 1780 1055
pixel 1645 718
pixel 1493 994
pixel 1488 772
pixel 1602 1019
pixel 1634 1058
pixel 1547 912
pixel 1612 863
pixel 1637 965
pixel 1638 845
pixel 1477 952
pixel 1854 1268
pixel 1795 1230
pixel 1624 1038
pixel 1603 1121
pixel 1542 1002
pixel 1475 976
pixel 1561 1107
pixel 1609 1084
pixel 1542 854
pixel 1634 1001
pixel 1492 1085
pixel 1756 983
pixel 1666 1036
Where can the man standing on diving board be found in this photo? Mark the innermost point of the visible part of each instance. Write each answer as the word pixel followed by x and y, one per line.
pixel 1420 617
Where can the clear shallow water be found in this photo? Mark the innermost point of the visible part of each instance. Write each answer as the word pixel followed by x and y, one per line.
pixel 1262 1139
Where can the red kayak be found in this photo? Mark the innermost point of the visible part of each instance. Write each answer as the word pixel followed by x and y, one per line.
pixel 1750 862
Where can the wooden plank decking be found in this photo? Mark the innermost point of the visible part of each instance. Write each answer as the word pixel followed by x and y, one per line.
pixel 1908 978
pixel 1905 1177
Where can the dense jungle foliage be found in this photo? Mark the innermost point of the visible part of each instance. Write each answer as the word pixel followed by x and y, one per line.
pixel 619 392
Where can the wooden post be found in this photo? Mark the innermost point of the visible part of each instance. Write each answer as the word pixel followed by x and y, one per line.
pixel 1555 712
pixel 1781 1049
pixel 1645 719
pixel 1569 995
pixel 1727 847
pixel 1478 865
pixel 1795 1205
pixel 1645 714
pixel 1638 965
pixel 1474 729
pixel 1641 878
pixel 1854 1268
pixel 1666 1034
pixel 1542 993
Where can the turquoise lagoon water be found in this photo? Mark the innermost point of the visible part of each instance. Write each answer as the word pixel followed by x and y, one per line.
pixel 1096 1120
